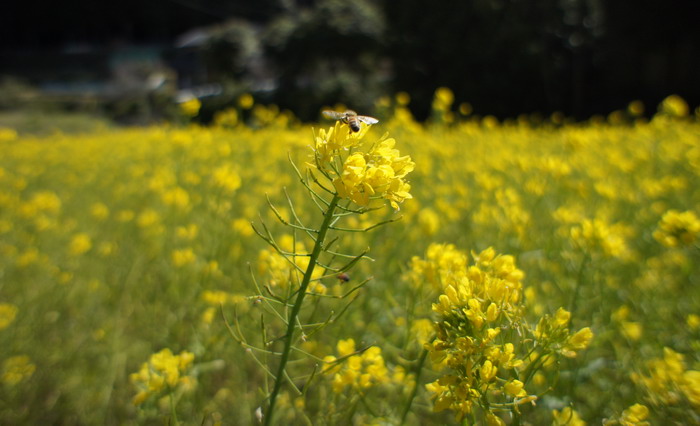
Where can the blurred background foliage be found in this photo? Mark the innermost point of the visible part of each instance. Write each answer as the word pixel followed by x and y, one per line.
pixel 130 60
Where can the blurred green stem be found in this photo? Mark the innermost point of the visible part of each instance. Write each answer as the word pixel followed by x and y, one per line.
pixel 291 321
pixel 172 408
pixel 577 289
pixel 419 370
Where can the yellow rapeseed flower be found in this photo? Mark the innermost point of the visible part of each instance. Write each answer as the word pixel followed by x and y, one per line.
pixel 674 106
pixel 8 312
pixel 80 244
pixel 567 417
pixel 16 369
pixel 191 107
pixel 580 340
pixel 183 257
pixel 226 178
pixel 677 228
pixel 163 371
pixel 246 101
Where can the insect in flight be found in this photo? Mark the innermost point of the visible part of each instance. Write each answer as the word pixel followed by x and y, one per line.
pixel 350 118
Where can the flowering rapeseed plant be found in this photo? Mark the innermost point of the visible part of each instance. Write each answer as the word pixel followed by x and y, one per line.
pixel 164 373
pixel 345 170
pixel 670 386
pixel 485 349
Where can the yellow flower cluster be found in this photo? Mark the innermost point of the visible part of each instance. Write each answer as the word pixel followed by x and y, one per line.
pixel 674 106
pixel 191 107
pixel 636 415
pixel 441 263
pixel 183 257
pixel 668 383
pixel 218 298
pixel 8 312
pixel 226 118
pixel 360 174
pixel 163 371
pixel 567 417
pixel 678 228
pixel 478 303
pixel 443 99
pixel 554 329
pixel 482 336
pixel 361 369
pixel 16 369
pixel 598 236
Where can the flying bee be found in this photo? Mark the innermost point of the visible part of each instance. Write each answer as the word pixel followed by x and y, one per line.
pixel 350 118
pixel 343 277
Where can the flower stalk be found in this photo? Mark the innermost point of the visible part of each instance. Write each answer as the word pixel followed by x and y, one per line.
pixel 291 321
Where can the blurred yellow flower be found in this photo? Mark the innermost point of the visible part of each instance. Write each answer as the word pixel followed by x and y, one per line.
pixel 567 417
pixel 80 244
pixel 16 369
pixel 677 228
pixel 636 108
pixel 632 330
pixel 226 178
pixel 674 106
pixel 443 99
pixel 246 101
pixel 183 257
pixel 99 211
pixel 162 371
pixel 580 340
pixel 7 134
pixel 403 98
pixel 360 371
pixel 635 415
pixel 191 107
pixel 8 312
pixel 693 321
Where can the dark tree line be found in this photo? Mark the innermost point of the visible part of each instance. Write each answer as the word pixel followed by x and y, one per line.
pixel 505 57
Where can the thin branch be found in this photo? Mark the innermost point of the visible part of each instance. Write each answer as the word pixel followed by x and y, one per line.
pixel 345 308
pixel 317 182
pixel 240 338
pixel 270 240
pixel 348 293
pixel 309 231
pixel 264 299
pixel 362 210
pixel 307 385
pixel 330 244
pixel 351 255
pixel 368 228
pixel 341 359
pixel 285 222
pixel 303 182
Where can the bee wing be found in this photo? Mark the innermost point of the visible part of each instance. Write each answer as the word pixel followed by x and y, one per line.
pixel 367 120
pixel 333 115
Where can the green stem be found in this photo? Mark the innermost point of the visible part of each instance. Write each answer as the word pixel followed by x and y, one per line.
pixel 577 289
pixel 172 407
pixel 419 370
pixel 291 321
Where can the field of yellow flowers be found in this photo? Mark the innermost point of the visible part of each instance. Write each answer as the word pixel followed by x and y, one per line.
pixel 474 271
